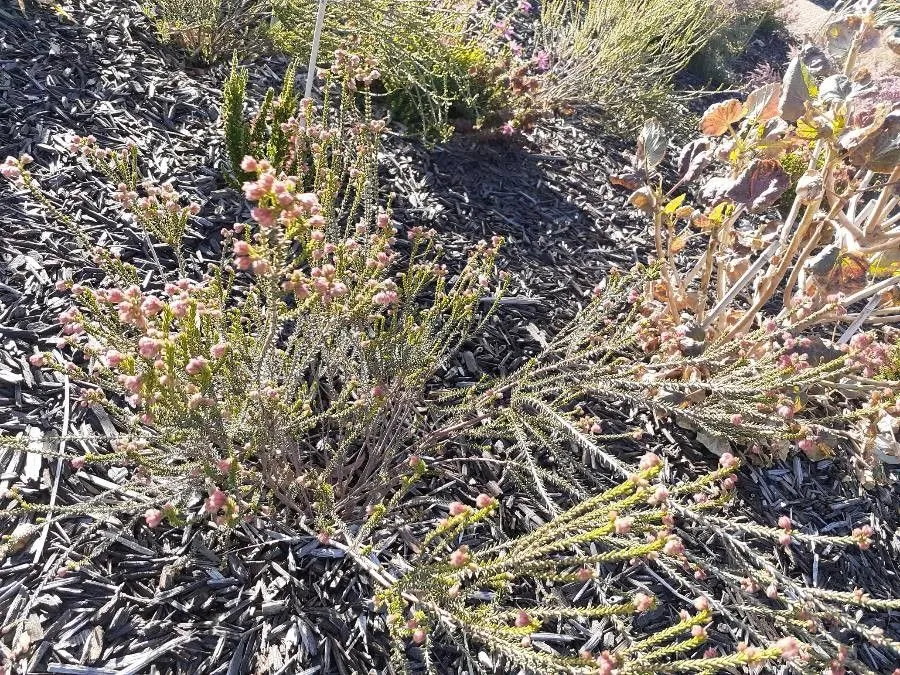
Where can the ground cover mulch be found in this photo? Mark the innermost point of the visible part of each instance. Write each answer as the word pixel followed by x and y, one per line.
pixel 269 598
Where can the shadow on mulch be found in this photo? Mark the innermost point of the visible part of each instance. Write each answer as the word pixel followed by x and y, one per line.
pixel 547 195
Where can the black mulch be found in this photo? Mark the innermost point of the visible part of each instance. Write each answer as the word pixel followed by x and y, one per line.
pixel 277 601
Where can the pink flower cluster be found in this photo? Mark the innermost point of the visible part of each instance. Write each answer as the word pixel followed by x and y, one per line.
pixel 11 169
pixel 867 354
pixel 160 201
pixel 353 68
pixel 282 201
pixel 542 60
pixel 387 296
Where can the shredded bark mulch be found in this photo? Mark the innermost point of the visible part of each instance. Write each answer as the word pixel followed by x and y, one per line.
pixel 268 598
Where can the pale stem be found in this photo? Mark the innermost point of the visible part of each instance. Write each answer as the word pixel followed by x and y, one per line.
pixel 852 329
pixel 798 273
pixel 866 292
pixel 745 279
pixel 768 288
pixel 314 51
pixel 881 206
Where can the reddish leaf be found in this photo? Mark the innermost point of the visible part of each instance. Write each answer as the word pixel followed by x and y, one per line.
pixel 762 103
pixel 837 271
pixel 693 158
pixel 879 148
pixel 630 180
pixel 759 185
pixel 720 116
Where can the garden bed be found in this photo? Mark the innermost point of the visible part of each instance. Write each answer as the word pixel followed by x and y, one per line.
pixel 274 599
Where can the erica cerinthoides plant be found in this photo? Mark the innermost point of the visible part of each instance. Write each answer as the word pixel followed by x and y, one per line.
pixel 293 370
pixel 535 601
pixel 769 391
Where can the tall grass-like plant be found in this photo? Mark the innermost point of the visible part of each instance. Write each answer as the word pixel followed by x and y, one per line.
pixel 621 55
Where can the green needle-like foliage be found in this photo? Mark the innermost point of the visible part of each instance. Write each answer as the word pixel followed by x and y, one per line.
pixel 299 380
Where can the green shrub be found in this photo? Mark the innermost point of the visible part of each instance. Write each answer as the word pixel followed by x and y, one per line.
pixel 436 62
pixel 740 21
pixel 621 54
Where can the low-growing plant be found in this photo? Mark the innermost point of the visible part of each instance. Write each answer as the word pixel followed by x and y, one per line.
pixel 209 30
pixel 297 380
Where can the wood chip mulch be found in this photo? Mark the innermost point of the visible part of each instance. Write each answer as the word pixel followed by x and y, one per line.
pixel 271 599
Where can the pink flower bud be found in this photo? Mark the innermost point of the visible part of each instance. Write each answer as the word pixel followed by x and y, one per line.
pixel 623 524
pixel 132 383
pixel 152 306
pixel 153 517
pixel 860 341
pixel 673 547
pixel 483 501
pixel 460 557
pixel 785 523
pixel 789 647
pixel 660 495
pixel 806 445
pixel 863 536
pixel 701 604
pixel 522 619
pixel 263 216
pixel 419 636
pixel 458 508
pixel 218 350
pixel 216 501
pixel 37 360
pixel 648 461
pixel 195 366
pixel 261 267
pixel 248 164
pixel 643 602
pixel 728 461
pixel 149 348
pixel 585 574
